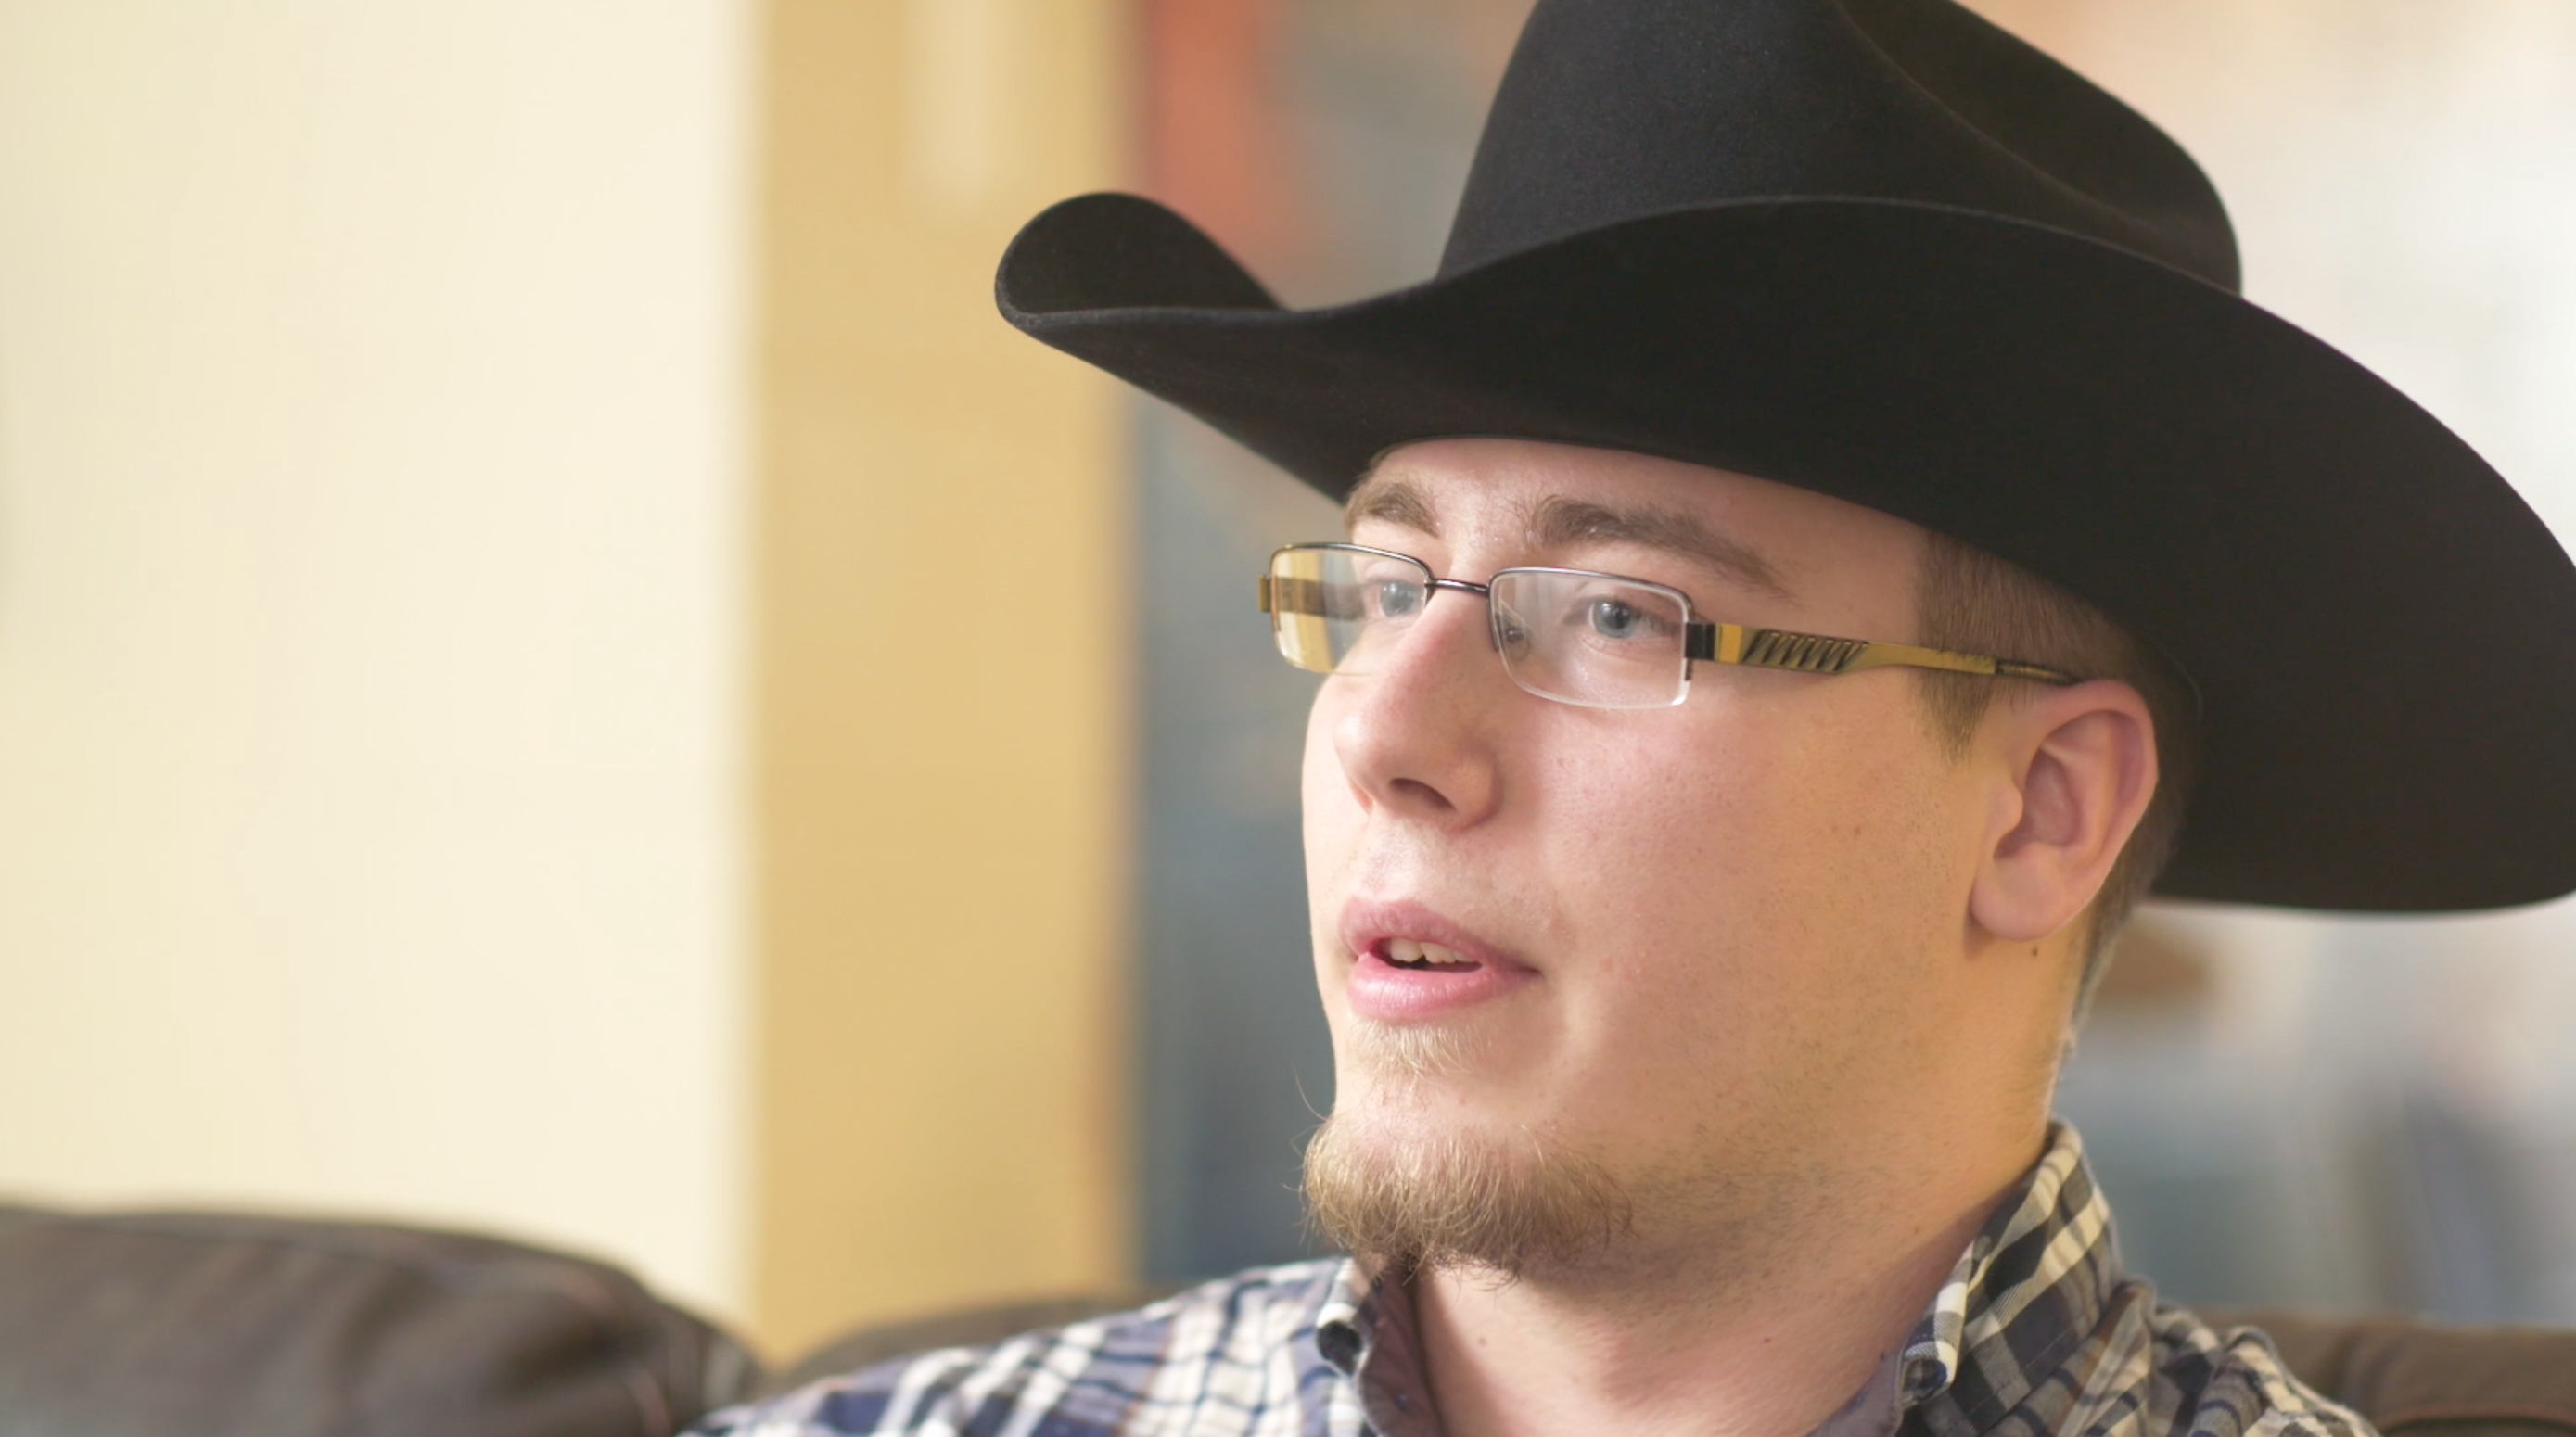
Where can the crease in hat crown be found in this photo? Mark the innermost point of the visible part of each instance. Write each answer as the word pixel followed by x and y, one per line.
pixel 1616 108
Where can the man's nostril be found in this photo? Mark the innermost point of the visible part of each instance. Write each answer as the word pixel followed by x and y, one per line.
pixel 1416 791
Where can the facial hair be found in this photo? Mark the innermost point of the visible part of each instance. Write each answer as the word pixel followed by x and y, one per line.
pixel 1509 1203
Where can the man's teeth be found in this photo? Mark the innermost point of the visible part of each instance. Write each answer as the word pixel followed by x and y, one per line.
pixel 1405 953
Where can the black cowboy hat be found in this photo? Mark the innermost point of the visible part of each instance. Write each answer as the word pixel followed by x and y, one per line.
pixel 1882 250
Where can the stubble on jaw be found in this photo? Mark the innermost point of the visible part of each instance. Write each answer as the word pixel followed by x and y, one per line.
pixel 1506 1203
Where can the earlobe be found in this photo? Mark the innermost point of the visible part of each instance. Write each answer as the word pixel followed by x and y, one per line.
pixel 2081 763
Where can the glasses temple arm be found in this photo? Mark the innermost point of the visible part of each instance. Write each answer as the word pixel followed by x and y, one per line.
pixel 1817 654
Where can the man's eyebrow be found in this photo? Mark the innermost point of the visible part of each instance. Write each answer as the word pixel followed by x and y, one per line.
pixel 1560 523
pixel 1390 499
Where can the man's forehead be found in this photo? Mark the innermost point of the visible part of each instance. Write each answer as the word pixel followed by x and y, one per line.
pixel 1555 508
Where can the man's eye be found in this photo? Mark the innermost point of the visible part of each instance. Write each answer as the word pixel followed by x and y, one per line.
pixel 1612 619
pixel 1397 599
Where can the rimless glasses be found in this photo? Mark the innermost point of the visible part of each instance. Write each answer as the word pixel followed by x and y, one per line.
pixel 1572 635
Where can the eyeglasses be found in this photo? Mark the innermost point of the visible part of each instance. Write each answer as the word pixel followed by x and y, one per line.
pixel 1572 635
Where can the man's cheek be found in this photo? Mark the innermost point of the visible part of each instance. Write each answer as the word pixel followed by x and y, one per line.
pixel 1335 825
pixel 1324 795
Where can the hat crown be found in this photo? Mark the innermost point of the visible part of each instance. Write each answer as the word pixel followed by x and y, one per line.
pixel 1611 109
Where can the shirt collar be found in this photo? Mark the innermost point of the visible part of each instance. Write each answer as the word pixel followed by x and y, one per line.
pixel 1368 1331
pixel 2031 1284
pixel 1343 1322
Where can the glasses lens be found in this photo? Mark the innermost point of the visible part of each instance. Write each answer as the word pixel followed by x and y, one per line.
pixel 1592 639
pixel 1334 608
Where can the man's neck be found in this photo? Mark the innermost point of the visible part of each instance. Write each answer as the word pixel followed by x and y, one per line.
pixel 1738 1339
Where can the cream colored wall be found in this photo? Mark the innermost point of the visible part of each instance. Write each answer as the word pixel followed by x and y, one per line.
pixel 372 472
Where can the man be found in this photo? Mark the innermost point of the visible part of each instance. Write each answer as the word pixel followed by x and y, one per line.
pixel 1825 523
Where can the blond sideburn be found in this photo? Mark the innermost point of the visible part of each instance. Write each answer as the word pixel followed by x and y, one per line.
pixel 1970 601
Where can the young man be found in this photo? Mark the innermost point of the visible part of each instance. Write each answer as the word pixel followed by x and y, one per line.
pixel 1827 518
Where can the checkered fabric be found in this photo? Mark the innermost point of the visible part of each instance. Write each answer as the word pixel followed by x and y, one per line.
pixel 2037 1331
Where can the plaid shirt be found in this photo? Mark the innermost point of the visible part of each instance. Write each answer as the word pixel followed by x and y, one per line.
pixel 2038 1331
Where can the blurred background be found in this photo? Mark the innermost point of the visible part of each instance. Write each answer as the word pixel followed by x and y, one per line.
pixel 526 700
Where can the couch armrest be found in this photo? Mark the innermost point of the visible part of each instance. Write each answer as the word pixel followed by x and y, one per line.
pixel 158 1324
pixel 2425 1379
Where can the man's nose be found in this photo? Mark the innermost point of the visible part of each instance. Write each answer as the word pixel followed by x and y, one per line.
pixel 1417 734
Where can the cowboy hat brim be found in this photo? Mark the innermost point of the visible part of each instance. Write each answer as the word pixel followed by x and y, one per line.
pixel 2383 635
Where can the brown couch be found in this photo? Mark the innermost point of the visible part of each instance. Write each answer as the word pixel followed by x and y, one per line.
pixel 155 1325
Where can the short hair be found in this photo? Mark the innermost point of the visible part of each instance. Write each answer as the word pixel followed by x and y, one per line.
pixel 1968 600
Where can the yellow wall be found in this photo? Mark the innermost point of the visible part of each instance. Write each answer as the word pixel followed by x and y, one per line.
pixel 941 632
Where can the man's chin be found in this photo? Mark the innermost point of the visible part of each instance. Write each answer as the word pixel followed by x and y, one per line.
pixel 1392 1183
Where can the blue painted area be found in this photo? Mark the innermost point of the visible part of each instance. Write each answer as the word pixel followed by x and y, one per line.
pixel 1235 1048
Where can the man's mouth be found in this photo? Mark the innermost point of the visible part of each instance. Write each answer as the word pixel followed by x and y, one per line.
pixel 1418 957
pixel 1412 964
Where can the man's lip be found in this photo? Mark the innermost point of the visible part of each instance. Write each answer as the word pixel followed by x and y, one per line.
pixel 1379 991
pixel 1369 923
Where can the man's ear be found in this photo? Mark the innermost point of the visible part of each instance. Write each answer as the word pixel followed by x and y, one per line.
pixel 2078 767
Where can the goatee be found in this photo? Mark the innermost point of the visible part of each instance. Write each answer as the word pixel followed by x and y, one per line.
pixel 1509 1204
